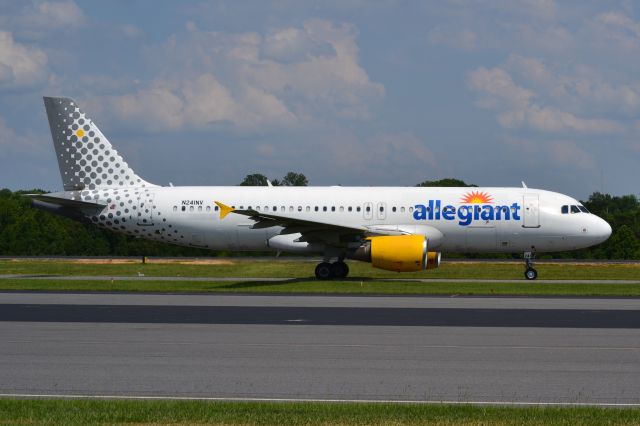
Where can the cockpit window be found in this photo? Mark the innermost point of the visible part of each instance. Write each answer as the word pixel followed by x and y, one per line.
pixel 575 209
pixel 583 209
pixel 565 209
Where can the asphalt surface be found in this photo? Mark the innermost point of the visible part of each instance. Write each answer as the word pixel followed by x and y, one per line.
pixel 463 349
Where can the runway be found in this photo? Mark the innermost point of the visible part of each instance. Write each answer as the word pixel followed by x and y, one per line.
pixel 462 349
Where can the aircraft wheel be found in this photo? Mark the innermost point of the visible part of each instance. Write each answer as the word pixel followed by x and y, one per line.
pixel 339 269
pixel 324 271
pixel 531 274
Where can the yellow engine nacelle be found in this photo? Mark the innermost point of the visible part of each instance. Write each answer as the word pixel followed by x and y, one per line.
pixel 401 253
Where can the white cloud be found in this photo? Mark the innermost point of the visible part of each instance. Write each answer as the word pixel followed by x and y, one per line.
pixel 288 77
pixel 20 65
pixel 618 28
pixel 519 107
pixel 55 14
pixel 584 88
pixel 499 89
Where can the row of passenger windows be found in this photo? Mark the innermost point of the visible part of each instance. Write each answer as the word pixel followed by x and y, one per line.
pixel 574 209
pixel 367 209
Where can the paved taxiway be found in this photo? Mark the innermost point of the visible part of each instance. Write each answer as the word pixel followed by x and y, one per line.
pixel 566 350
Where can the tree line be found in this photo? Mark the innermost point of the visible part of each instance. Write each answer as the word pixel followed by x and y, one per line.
pixel 25 231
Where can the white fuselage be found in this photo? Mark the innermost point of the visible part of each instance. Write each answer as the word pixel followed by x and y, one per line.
pixel 453 219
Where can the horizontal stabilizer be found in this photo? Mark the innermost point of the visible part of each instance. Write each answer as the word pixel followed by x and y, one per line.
pixel 66 202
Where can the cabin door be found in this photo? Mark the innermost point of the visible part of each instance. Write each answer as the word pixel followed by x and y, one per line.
pixel 531 211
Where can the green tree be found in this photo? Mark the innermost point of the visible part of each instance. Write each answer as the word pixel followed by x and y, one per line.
pixel 294 179
pixel 624 244
pixel 255 179
pixel 445 182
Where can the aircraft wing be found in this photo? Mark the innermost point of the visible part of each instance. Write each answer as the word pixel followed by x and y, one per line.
pixel 310 229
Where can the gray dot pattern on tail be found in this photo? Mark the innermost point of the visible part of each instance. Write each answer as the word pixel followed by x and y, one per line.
pixel 88 159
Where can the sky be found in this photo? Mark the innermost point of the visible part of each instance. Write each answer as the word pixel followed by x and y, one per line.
pixel 348 92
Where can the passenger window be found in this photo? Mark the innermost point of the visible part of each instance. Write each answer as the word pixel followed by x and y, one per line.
pixel 324 209
pixel 199 208
pixel 308 209
pixel 381 209
pixel 315 208
pixel 290 208
pixel 299 208
pixel 393 209
pixel 191 208
pixel 282 208
pixel 575 209
pixel 216 208
pixel 358 209
pixel 275 209
pixel 241 207
pixel 350 208
pixel 411 209
pixel 175 208
pixel 208 208
pixel 401 209
pixel 184 208
pixel 341 208
pixel 564 209
pixel 257 208
pixel 333 208
pixel 368 209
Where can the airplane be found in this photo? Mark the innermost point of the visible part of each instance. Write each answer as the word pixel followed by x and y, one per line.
pixel 399 229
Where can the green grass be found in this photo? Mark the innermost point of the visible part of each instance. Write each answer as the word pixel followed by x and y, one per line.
pixel 120 412
pixel 303 286
pixel 304 269
pixel 363 279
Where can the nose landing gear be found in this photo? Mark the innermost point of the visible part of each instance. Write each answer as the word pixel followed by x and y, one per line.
pixel 530 273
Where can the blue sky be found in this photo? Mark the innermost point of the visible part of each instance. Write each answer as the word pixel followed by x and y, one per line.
pixel 348 92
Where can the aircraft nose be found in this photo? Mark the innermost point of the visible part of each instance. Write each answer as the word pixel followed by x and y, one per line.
pixel 601 230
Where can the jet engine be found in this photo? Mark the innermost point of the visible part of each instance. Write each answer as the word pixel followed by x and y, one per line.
pixel 400 253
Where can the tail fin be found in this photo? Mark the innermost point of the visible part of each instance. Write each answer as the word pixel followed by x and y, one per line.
pixel 85 157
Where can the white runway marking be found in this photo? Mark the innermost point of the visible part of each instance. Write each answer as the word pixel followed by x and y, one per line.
pixel 358 401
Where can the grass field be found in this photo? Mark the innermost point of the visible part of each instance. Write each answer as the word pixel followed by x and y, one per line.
pixel 305 269
pixel 363 279
pixel 96 412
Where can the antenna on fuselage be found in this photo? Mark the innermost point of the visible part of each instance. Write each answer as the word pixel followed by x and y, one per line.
pixel 524 185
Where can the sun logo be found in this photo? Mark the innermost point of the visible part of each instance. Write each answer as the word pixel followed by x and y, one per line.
pixel 477 197
pixel 80 133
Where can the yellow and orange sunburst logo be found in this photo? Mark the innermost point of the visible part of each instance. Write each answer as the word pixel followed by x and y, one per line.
pixel 477 197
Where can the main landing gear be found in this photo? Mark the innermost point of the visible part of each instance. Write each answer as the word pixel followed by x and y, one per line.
pixel 530 273
pixel 328 271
